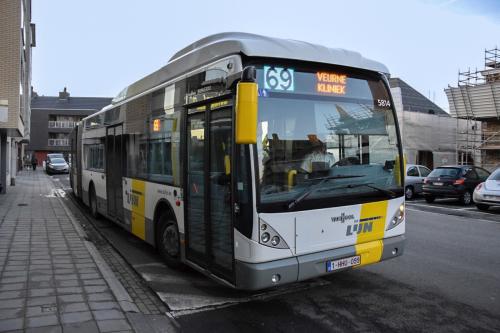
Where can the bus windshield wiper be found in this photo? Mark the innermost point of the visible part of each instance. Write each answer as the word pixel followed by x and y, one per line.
pixel 387 192
pixel 313 186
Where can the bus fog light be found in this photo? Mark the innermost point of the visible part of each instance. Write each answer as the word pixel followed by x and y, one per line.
pixel 275 241
pixel 265 237
pixel 276 278
pixel 394 251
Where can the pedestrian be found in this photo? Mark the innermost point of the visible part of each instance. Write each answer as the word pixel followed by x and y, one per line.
pixel 34 162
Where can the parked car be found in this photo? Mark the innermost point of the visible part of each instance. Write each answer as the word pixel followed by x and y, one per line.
pixel 415 175
pixel 56 165
pixel 456 181
pixel 488 193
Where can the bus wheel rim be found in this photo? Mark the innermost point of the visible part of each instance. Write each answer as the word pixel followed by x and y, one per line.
pixel 171 241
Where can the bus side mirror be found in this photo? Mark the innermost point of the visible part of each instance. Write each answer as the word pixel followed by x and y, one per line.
pixel 246 107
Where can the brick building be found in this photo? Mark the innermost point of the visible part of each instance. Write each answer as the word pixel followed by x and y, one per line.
pixel 54 117
pixel 17 37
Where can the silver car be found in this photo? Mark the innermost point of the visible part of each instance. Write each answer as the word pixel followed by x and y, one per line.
pixel 487 193
pixel 414 179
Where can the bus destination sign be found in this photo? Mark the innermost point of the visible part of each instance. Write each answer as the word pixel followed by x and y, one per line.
pixel 331 83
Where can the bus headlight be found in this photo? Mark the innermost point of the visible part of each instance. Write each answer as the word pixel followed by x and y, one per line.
pixel 270 237
pixel 398 217
pixel 265 237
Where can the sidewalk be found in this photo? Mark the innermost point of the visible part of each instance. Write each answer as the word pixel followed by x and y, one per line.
pixel 51 278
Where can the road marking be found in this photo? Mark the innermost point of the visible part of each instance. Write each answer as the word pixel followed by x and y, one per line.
pixel 463 217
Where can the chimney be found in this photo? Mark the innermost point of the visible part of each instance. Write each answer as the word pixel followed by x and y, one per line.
pixel 64 94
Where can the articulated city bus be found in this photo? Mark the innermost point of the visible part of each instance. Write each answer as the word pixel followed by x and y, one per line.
pixel 257 161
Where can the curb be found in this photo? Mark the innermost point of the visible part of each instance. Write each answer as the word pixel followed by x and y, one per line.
pixel 121 295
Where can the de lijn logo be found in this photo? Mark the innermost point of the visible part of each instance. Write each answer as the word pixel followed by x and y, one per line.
pixel 342 218
pixel 364 225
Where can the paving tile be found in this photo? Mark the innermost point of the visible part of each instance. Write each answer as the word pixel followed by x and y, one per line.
pixel 75 317
pixel 41 310
pixel 108 314
pixel 11 313
pixel 74 307
pixel 69 290
pixel 45 329
pixel 46 300
pixel 41 292
pixel 11 324
pixel 94 282
pixel 12 303
pixel 40 321
pixel 71 298
pixel 104 305
pixel 4 295
pixel 12 286
pixel 87 276
pixel 113 325
pixel 65 276
pixel 95 289
pixel 67 283
pixel 100 297
pixel 85 327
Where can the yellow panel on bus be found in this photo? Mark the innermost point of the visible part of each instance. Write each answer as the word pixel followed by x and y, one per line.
pixel 138 204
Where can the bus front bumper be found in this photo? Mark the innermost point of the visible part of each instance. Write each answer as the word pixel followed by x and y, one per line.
pixel 255 276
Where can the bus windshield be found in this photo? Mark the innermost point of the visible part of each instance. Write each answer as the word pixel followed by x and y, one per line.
pixel 333 135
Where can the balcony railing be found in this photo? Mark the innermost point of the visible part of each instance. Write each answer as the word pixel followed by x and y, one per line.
pixel 61 124
pixel 58 142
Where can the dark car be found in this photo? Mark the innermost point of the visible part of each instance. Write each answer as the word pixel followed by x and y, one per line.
pixel 453 182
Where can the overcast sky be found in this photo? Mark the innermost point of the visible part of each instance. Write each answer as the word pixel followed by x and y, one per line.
pixel 96 47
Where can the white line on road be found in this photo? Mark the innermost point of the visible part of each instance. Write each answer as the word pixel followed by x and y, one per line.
pixel 462 217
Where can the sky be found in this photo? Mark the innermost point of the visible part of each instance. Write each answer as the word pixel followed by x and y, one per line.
pixel 97 48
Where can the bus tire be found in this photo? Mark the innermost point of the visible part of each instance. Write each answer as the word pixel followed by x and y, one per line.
pixel 168 240
pixel 93 202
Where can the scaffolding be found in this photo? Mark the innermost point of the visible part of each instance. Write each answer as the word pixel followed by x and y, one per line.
pixel 476 99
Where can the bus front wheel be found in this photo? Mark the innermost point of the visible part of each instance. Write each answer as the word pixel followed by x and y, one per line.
pixel 168 241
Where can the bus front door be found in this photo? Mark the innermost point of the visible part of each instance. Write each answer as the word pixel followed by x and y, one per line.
pixel 209 219
pixel 114 137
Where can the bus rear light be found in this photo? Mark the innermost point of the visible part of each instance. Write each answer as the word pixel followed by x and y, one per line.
pixel 460 181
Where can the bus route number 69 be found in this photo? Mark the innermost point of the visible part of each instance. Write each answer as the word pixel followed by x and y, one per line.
pixel 278 78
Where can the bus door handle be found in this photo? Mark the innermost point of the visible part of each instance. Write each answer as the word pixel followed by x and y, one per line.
pixel 237 208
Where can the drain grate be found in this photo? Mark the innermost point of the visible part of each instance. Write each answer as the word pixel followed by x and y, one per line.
pixel 22 204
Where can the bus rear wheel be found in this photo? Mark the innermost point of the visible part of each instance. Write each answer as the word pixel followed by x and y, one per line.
pixel 168 241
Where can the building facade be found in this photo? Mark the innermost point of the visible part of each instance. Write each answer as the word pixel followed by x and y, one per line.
pixel 476 99
pixel 429 134
pixel 17 37
pixel 54 117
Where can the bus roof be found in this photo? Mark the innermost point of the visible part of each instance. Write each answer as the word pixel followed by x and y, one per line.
pixel 221 45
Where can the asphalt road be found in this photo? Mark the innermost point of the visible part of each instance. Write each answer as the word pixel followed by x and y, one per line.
pixel 448 280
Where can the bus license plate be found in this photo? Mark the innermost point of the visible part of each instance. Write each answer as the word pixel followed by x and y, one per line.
pixel 438 184
pixel 342 263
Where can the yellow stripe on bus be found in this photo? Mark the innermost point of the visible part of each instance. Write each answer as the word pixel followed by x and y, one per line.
pixel 370 252
pixel 138 204
pixel 369 243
